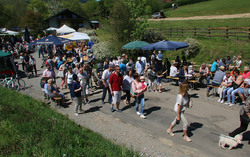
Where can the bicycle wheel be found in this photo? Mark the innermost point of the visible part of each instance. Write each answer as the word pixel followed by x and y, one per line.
pixel 14 85
pixel 2 82
pixel 22 84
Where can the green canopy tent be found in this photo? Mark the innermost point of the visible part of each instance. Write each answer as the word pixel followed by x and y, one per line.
pixel 135 45
pixel 4 54
pixel 6 63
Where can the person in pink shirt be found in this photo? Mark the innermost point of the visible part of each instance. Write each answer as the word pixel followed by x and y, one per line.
pixel 139 95
pixel 246 73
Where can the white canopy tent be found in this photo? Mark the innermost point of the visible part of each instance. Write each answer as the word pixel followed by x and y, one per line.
pixel 11 32
pixel 51 29
pixel 65 29
pixel 76 36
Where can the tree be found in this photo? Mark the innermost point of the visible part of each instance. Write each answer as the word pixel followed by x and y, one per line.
pixel 33 21
pixel 91 8
pixel 54 6
pixel 75 6
pixel 38 6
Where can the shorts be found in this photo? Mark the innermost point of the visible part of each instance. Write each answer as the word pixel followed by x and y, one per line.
pixel 157 83
pixel 116 98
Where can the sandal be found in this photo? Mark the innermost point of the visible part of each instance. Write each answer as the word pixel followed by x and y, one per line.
pixel 170 132
pixel 186 138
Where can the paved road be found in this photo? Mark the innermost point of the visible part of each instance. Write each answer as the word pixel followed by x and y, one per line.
pixel 207 119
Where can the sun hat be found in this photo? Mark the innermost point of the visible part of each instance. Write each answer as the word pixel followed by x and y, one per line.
pixel 50 81
pixel 139 58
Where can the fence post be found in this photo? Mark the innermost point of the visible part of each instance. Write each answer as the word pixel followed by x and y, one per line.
pixel 182 31
pixel 195 31
pixel 209 32
pixel 170 31
pixel 227 32
pixel 249 33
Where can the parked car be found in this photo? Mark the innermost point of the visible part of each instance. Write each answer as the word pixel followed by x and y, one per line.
pixel 158 15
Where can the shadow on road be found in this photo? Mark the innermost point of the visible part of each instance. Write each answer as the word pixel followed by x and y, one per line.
pixel 95 93
pixel 95 100
pixel 151 109
pixel 192 127
pixel 93 109
pixel 246 136
pixel 195 95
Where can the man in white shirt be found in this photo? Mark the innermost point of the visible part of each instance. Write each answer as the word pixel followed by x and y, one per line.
pixel 105 79
pixel 173 70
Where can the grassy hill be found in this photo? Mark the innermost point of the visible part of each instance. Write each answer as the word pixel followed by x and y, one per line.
pixel 213 7
pixel 30 128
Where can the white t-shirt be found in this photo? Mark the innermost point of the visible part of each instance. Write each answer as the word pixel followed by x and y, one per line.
pixel 83 79
pixel 182 101
pixel 105 76
pixel 173 71
pixel 238 63
pixel 127 81
pixel 227 80
pixel 69 78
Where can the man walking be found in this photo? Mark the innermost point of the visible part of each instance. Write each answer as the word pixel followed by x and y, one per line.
pixel 105 80
pixel 115 83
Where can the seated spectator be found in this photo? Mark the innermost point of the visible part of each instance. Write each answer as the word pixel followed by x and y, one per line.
pixel 245 92
pixel 53 91
pixel 183 73
pixel 173 70
pixel 178 62
pixel 238 62
pixel 190 73
pixel 222 62
pixel 218 77
pixel 167 66
pixel 159 56
pixel 225 85
pixel 214 66
pixel 229 62
pixel 237 84
pixel 246 73
pixel 204 71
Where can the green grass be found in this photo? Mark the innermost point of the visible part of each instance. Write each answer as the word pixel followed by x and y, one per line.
pixel 30 128
pixel 239 22
pixel 213 7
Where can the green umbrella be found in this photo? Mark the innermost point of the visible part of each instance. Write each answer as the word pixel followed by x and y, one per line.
pixel 135 45
pixel 4 54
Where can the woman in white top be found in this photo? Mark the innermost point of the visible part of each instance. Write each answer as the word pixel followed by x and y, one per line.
pixel 182 102
pixel 238 62
pixel 62 70
pixel 69 77
pixel 127 81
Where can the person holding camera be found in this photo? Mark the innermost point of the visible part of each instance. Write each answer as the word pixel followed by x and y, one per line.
pixel 182 102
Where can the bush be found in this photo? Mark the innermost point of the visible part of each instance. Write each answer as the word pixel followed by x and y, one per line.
pixel 101 50
pixel 183 2
pixel 152 36
pixel 193 49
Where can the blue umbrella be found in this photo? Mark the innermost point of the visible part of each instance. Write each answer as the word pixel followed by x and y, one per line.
pixel 51 40
pixel 165 45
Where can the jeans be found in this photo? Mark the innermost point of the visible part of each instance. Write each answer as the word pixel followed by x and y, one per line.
pixel 224 92
pixel 105 92
pixel 78 103
pixel 229 91
pixel 235 92
pixel 140 100
pixel 40 53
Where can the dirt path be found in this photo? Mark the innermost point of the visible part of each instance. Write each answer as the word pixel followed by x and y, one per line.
pixel 245 15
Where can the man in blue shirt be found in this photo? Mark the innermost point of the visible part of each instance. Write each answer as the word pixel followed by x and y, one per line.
pixel 140 66
pixel 122 66
pixel 75 92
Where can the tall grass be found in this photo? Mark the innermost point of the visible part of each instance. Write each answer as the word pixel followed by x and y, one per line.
pixel 30 128
pixel 213 7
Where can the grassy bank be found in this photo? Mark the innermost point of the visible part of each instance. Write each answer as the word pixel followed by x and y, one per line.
pixel 213 7
pixel 31 128
pixel 239 22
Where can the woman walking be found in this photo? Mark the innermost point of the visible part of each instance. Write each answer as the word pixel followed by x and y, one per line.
pixel 61 74
pixel 127 81
pixel 182 102
pixel 138 89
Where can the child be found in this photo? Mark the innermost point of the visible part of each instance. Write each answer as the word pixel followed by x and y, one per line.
pixel 151 78
pixel 144 84
pixel 160 75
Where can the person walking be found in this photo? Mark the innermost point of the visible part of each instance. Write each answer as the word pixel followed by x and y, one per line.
pixel 138 89
pixel 75 92
pixel 62 69
pixel 105 80
pixel 182 102
pixel 115 83
pixel 127 81
pixel 32 62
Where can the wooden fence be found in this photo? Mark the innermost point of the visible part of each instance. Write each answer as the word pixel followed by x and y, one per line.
pixel 239 33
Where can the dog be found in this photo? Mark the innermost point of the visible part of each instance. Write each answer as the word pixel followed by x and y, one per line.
pixel 230 141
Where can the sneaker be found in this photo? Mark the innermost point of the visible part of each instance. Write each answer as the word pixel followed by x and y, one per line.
pixel 222 101
pixel 170 132
pixel 219 100
pixel 76 114
pixel 111 109
pixel 231 104
pixel 227 103
pixel 142 116
pixel 118 110
pixel 138 113
pixel 187 139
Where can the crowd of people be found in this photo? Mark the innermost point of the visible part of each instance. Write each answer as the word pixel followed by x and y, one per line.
pixel 122 75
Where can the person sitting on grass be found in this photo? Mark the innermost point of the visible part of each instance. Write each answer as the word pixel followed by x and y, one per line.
pixel 218 77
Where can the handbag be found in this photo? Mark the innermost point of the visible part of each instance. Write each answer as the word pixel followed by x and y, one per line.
pixel 60 74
